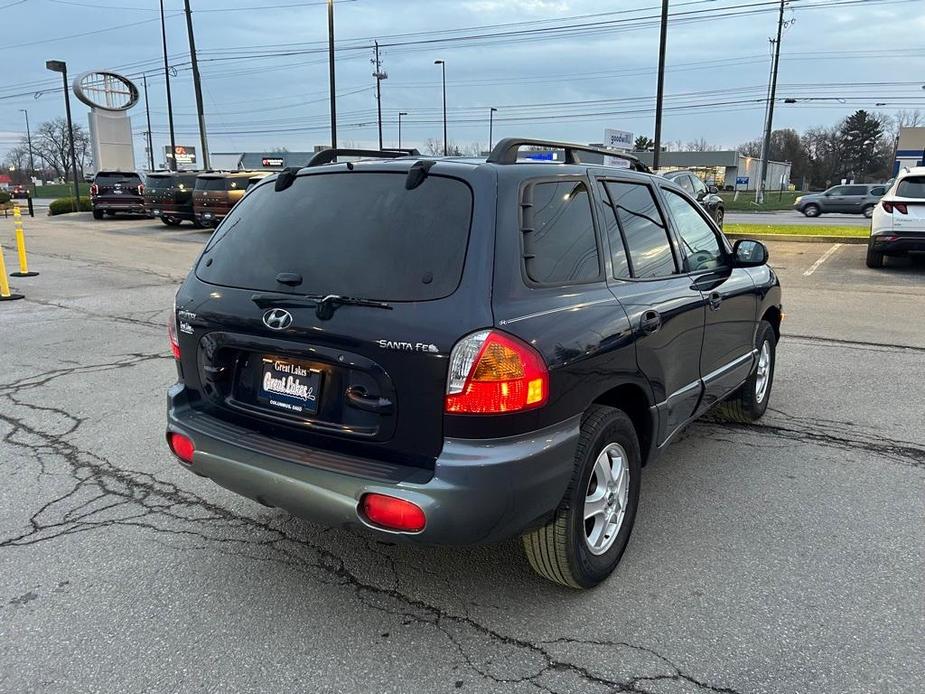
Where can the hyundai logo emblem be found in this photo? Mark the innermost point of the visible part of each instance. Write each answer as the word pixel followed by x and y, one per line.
pixel 277 319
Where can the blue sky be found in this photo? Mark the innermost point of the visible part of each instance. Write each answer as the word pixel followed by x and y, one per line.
pixel 563 69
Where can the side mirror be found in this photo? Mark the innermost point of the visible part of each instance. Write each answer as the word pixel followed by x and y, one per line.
pixel 713 189
pixel 749 253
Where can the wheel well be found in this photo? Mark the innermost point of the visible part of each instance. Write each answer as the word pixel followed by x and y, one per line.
pixel 633 401
pixel 773 316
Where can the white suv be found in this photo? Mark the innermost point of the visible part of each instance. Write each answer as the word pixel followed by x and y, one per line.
pixel 898 223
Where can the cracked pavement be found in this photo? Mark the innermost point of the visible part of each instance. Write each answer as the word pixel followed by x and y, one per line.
pixel 783 557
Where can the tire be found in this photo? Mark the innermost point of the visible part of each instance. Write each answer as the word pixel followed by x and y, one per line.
pixel 750 401
pixel 720 216
pixel 561 550
pixel 868 211
pixel 811 210
pixel 197 224
pixel 171 221
pixel 97 214
pixel 874 259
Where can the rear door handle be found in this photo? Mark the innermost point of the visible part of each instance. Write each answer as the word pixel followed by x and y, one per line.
pixel 715 300
pixel 358 398
pixel 651 322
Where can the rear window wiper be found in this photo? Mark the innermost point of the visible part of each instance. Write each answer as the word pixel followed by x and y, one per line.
pixel 324 305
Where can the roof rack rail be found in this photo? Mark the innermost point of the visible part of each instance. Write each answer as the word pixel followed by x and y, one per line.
pixel 505 152
pixel 327 156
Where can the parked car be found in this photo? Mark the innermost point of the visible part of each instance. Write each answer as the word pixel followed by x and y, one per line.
pixel 706 195
pixel 20 192
pixel 216 193
pixel 457 351
pixel 169 196
pixel 898 223
pixel 854 198
pixel 116 191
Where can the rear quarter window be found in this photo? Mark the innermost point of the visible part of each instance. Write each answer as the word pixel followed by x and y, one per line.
pixel 356 234
pixel 210 184
pixel 109 178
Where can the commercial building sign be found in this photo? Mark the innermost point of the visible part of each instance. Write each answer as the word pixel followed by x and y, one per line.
pixel 618 139
pixel 185 156
pixel 272 162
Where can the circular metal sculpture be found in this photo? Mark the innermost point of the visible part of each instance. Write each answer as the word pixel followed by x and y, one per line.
pixel 105 90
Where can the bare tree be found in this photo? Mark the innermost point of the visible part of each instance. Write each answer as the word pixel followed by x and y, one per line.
pixel 16 162
pixel 52 143
pixel 700 145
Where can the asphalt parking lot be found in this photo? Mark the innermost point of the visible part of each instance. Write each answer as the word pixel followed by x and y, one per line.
pixel 787 556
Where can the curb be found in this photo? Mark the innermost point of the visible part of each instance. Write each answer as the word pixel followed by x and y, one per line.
pixel 859 240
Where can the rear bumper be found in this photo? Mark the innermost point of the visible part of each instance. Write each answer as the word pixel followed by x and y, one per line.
pixel 118 205
pixel 154 209
pixel 210 217
pixel 479 490
pixel 897 242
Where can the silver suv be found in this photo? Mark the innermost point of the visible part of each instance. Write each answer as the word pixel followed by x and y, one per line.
pixel 853 198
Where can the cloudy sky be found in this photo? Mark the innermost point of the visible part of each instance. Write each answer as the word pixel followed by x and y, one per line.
pixel 563 69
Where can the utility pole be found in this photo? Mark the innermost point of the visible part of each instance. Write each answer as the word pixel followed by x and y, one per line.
pixel 766 145
pixel 172 159
pixel 29 140
pixel 660 90
pixel 491 124
pixel 446 145
pixel 197 86
pixel 767 103
pixel 380 75
pixel 331 72
pixel 400 114
pixel 144 79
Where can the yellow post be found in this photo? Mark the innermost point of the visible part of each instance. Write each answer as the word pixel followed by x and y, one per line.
pixel 5 294
pixel 21 246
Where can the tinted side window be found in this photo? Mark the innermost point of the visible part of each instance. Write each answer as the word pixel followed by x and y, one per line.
pixel 855 190
pixel 643 229
pixel 562 248
pixel 838 190
pixel 685 182
pixel 621 266
pixel 878 190
pixel 700 243
pixel 699 186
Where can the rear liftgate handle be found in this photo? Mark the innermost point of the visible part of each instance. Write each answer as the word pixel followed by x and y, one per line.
pixel 651 322
pixel 357 397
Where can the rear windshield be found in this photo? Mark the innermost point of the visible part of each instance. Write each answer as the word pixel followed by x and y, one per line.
pixel 112 177
pixel 159 182
pixel 354 234
pixel 211 183
pixel 911 187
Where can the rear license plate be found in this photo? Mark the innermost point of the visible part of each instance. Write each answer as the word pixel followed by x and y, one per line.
pixel 289 386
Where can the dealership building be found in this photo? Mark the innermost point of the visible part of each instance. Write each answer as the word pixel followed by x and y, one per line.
pixel 910 149
pixel 723 168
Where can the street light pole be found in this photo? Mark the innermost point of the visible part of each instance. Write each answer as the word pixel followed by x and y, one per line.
pixel 29 141
pixel 172 159
pixel 660 89
pixel 331 73
pixel 61 66
pixel 491 123
pixel 400 114
pixel 144 79
pixel 380 75
pixel 442 65
pixel 197 86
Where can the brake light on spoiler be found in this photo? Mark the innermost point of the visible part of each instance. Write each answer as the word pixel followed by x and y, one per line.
pixel 493 373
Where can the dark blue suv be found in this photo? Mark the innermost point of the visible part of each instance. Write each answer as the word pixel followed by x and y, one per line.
pixel 455 350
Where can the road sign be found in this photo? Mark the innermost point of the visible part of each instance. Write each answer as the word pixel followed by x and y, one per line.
pixel 741 180
pixel 618 139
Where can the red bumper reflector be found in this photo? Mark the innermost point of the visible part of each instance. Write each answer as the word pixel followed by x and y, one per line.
pixel 392 513
pixel 181 446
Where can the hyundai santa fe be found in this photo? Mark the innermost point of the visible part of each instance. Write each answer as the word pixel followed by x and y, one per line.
pixel 451 350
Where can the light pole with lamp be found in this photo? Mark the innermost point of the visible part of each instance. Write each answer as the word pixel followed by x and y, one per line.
pixel 29 141
pixel 442 65
pixel 61 66
pixel 400 114
pixel 491 123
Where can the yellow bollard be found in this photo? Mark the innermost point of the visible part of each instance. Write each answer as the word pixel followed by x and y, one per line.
pixel 5 294
pixel 21 246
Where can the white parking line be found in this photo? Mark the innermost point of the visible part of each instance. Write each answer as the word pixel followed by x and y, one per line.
pixel 825 256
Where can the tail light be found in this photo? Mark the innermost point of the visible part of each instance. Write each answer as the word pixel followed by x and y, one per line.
pixel 94 189
pixel 492 372
pixel 172 334
pixel 900 207
pixel 393 513
pixel 181 446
